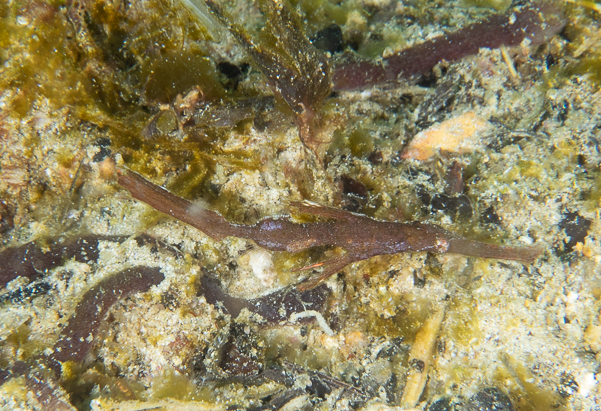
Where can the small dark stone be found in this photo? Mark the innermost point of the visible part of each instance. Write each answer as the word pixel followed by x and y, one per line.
pixel 489 216
pixel 444 404
pixel 419 280
pixel 460 205
pixel 26 292
pixel 567 386
pixel 103 142
pixel 419 365
pixel 550 60
pixel 428 80
pixel 229 70
pixel 351 186
pixel 318 387
pixel 243 353
pixel 231 75
pixel 102 154
pixel 490 399
pixel 352 204
pixel 214 189
pixel 354 194
pixel 576 227
pixel 454 179
pixel 329 39
pixel 169 300
pixel 375 157
pixel 432 265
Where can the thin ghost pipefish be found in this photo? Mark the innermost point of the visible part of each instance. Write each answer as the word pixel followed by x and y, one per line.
pixel 360 236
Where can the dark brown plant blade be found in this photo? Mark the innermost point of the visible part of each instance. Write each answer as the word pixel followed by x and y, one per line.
pixel 536 23
pixel 31 261
pixel 274 307
pixel 77 338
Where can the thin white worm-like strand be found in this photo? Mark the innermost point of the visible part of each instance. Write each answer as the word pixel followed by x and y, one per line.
pixel 294 317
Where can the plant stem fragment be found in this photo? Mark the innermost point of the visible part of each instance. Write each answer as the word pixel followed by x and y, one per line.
pixel 536 23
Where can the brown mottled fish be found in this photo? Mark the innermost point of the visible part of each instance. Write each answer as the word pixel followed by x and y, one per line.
pixel 360 236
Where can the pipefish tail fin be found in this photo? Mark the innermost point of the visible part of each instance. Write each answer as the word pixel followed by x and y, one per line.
pixel 309 207
pixel 477 249
pixel 209 222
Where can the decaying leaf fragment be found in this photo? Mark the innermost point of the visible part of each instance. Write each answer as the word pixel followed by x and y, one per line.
pixel 297 71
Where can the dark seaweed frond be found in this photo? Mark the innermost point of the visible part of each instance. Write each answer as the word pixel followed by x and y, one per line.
pixel 274 307
pixel 536 23
pixel 31 261
pixel 295 69
pixel 74 342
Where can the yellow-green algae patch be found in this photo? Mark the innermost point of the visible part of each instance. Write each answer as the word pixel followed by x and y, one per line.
pixel 463 322
pixel 171 384
pixel 498 5
pixel 528 396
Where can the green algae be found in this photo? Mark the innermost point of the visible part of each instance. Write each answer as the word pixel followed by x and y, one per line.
pixel 589 66
pixel 46 65
pixel 527 395
pixel 463 322
pixel 498 5
pixel 318 14
pixel 171 384
pixel 360 142
pixel 176 72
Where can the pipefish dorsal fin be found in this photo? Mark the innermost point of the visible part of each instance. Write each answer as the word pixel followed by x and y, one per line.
pixel 309 207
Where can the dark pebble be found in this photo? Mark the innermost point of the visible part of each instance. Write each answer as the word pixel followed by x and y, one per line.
pixel 489 216
pixel 329 39
pixel 445 404
pixel 567 386
pixel 576 227
pixel 489 399
pixel 102 154
pixel 231 75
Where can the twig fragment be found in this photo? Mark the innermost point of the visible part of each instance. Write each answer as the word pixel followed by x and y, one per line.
pixel 420 359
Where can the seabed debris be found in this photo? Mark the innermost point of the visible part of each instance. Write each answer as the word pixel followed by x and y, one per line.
pixel 476 123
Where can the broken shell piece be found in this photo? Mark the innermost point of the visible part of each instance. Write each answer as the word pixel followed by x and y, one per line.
pixel 460 134
pixel 421 358
pixel 260 262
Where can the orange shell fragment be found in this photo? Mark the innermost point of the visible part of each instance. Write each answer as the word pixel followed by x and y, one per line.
pixel 457 135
